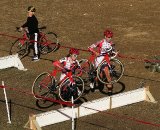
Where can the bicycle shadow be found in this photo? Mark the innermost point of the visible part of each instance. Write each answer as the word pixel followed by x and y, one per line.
pixel 118 87
pixel 44 104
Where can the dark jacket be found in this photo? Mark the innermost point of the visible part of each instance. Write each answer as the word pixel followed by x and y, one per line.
pixel 32 24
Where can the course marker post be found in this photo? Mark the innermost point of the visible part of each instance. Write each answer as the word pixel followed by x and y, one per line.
pixel 73 115
pixel 6 100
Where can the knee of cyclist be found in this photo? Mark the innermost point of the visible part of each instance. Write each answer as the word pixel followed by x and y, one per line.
pixel 109 86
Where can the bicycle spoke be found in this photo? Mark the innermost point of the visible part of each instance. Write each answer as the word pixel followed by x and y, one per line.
pixel 20 48
pixel 86 68
pixel 116 71
pixel 67 90
pixel 42 84
pixel 48 43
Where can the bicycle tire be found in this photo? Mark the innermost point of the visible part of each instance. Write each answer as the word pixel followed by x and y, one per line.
pixel 66 91
pixel 48 43
pixel 86 67
pixel 17 47
pixel 116 73
pixel 42 84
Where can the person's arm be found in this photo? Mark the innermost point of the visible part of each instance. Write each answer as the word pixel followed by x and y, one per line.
pixel 78 64
pixel 113 46
pixel 57 64
pixel 91 48
pixel 24 26
pixel 26 23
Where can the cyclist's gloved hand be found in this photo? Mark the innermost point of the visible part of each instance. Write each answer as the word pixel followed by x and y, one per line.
pixel 18 29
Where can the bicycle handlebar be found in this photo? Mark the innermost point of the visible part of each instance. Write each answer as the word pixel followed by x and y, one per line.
pixel 72 70
pixel 18 29
pixel 114 54
pixel 43 27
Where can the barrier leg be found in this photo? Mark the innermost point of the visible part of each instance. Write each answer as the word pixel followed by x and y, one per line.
pixel 33 123
pixel 149 96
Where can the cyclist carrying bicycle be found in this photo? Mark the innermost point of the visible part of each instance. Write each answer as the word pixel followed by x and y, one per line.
pixel 104 46
pixel 31 25
pixel 67 63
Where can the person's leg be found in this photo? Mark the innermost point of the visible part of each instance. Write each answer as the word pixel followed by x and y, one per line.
pixel 109 86
pixel 35 47
pixel 97 61
pixel 62 77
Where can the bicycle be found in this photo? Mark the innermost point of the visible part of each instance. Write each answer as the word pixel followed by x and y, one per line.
pixel 48 42
pixel 89 73
pixel 71 85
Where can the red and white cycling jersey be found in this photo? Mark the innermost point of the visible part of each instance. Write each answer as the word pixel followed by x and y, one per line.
pixel 103 46
pixel 68 62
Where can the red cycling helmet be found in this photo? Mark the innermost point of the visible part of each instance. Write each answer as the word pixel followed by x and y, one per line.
pixel 108 33
pixel 74 51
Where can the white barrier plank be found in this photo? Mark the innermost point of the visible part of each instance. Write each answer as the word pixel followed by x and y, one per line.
pixel 11 61
pixel 54 116
pixel 92 107
pixel 128 98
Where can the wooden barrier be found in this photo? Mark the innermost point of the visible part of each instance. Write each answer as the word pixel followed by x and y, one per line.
pixel 87 108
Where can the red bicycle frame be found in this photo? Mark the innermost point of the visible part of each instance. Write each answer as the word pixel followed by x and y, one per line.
pixel 26 38
pixel 54 73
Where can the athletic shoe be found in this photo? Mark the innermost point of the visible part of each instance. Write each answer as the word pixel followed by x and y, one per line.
pixel 91 85
pixel 35 58
pixel 110 93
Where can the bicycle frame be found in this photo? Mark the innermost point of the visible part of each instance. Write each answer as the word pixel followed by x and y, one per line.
pixel 90 71
pixel 71 85
pixel 68 75
pixel 26 38
pixel 92 57
pixel 42 35
pixel 91 60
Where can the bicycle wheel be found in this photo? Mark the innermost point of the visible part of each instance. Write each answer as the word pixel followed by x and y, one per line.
pixel 116 71
pixel 67 90
pixel 42 84
pixel 86 69
pixel 18 47
pixel 48 43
